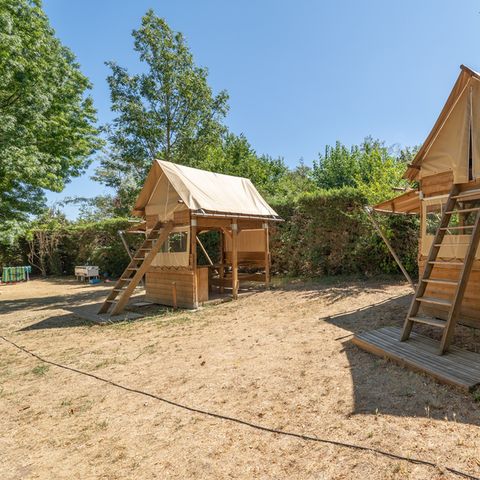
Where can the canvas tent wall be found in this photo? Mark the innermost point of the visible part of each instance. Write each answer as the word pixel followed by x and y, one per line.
pixel 449 156
pixel 197 201
pixel 453 145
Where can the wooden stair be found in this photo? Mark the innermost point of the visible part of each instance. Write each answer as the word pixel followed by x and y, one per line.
pixel 136 269
pixel 454 305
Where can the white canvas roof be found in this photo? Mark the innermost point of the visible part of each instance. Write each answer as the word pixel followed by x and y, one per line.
pixel 171 185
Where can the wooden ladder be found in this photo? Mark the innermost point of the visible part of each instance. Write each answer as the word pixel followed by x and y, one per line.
pixel 136 269
pixel 454 306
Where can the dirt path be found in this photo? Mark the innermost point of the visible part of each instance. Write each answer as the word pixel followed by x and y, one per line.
pixel 276 358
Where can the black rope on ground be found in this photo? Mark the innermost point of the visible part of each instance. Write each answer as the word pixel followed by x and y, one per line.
pixel 219 416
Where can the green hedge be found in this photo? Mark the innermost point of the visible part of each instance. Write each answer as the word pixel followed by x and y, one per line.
pixel 329 233
pixel 95 243
pixel 326 233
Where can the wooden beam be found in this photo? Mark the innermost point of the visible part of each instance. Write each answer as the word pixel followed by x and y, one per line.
pixel 193 252
pixel 221 270
pixel 390 248
pixel 267 255
pixel 234 260
pixel 204 251
pixel 226 232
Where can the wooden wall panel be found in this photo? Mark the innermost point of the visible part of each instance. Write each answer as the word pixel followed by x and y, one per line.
pixel 439 184
pixel 159 287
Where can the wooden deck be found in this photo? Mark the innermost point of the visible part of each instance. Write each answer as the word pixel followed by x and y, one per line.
pixel 458 367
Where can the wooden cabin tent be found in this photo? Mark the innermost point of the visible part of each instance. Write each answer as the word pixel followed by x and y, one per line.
pixel 447 169
pixel 178 203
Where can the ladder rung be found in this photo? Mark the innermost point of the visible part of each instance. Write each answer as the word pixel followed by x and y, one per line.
pixel 131 268
pixel 467 194
pixel 117 289
pixel 464 210
pixel 435 301
pixel 440 281
pixel 457 228
pixel 126 279
pixel 110 301
pixel 450 244
pixel 444 262
pixel 434 322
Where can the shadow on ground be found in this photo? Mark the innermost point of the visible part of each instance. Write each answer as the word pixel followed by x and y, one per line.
pixel 383 387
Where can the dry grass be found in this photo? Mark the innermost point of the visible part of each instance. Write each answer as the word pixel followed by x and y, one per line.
pixel 275 358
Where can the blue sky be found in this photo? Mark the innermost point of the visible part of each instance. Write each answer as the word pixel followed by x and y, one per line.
pixel 301 74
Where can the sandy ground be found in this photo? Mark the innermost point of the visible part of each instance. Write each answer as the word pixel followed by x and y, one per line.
pixel 279 358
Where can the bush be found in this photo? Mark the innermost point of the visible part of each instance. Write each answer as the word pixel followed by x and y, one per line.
pixel 324 233
pixel 329 233
pixel 80 243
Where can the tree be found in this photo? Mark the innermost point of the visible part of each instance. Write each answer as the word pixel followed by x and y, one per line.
pixel 370 167
pixel 235 156
pixel 168 112
pixel 337 168
pixel 47 131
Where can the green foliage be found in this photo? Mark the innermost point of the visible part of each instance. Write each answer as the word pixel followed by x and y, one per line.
pixel 371 167
pixel 168 112
pixel 40 370
pixel 54 246
pixel 98 243
pixel 328 233
pixel 47 128
pixel 235 156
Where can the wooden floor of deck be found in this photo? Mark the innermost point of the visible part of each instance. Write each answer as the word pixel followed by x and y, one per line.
pixel 458 367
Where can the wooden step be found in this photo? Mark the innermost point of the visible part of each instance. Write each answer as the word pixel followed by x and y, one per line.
pixel 445 262
pixel 450 244
pixel 467 194
pixel 440 281
pixel 434 322
pixel 457 227
pixel 434 301
pixel 464 210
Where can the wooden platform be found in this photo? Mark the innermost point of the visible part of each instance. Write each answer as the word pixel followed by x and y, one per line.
pixel 458 367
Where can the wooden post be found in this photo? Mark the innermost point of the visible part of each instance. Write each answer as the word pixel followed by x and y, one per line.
pixel 234 259
pixel 193 253
pixel 204 251
pixel 221 272
pixel 267 255
pixel 174 295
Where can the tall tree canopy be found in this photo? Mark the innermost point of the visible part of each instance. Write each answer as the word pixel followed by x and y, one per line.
pixel 167 112
pixel 371 167
pixel 47 130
